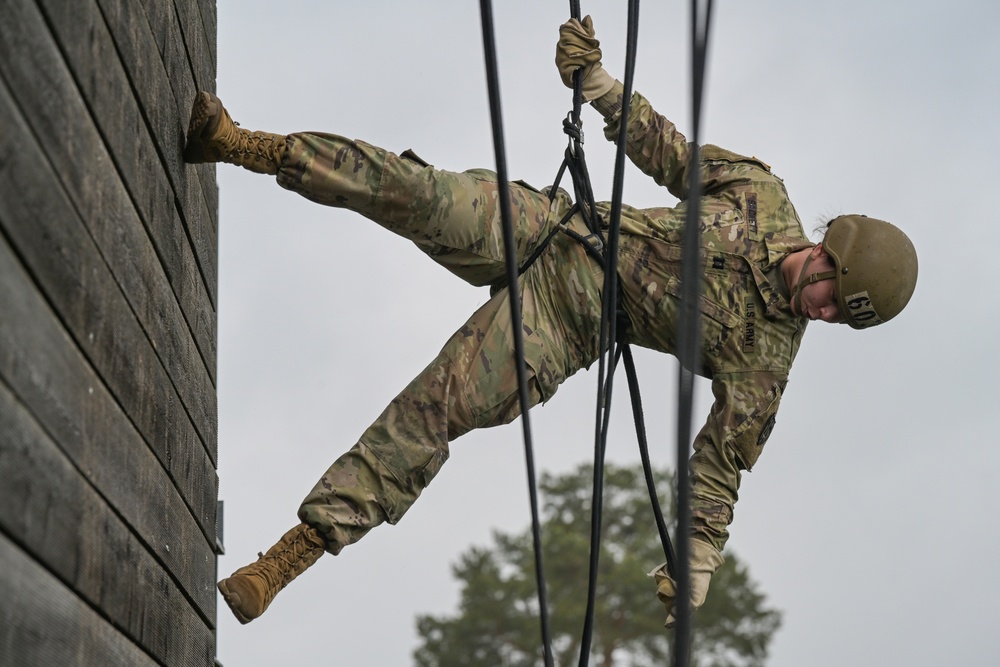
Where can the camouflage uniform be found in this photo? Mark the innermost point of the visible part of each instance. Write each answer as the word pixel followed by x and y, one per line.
pixel 454 218
pixel 749 334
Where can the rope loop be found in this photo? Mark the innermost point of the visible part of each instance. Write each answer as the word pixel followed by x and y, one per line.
pixel 574 130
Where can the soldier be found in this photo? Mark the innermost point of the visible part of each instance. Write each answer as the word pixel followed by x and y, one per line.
pixel 763 281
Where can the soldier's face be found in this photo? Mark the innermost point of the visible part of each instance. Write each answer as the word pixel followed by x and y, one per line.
pixel 819 300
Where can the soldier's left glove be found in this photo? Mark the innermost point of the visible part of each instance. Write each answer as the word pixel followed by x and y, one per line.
pixel 578 49
pixel 705 561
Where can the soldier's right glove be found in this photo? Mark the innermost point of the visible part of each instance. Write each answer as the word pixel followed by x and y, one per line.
pixel 578 49
pixel 705 560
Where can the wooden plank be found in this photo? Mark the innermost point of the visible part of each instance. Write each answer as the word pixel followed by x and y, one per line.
pixel 132 102
pixel 127 26
pixel 181 40
pixel 201 52
pixel 209 12
pixel 41 364
pixel 32 65
pixel 199 37
pixel 54 243
pixel 181 70
pixel 165 91
pixel 43 623
pixel 52 513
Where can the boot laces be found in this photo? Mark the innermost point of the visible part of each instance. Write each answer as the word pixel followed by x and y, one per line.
pixel 278 568
pixel 258 144
pixel 243 142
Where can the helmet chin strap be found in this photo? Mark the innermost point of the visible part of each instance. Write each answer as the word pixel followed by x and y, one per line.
pixel 806 281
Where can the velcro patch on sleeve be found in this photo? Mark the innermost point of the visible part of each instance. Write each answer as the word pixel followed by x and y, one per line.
pixel 765 432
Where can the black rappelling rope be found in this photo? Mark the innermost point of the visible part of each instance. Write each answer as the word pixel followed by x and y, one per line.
pixel 609 333
pixel 489 47
pixel 647 468
pixel 689 338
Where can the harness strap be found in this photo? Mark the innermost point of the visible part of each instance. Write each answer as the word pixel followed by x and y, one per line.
pixel 543 246
pixel 593 244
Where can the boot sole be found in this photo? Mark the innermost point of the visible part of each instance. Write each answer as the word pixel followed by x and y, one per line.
pixel 201 111
pixel 232 600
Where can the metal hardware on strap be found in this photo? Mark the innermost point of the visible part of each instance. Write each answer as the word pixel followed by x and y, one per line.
pixel 595 249
pixel 598 242
pixel 574 129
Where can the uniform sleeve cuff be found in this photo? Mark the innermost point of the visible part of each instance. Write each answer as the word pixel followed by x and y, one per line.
pixel 610 102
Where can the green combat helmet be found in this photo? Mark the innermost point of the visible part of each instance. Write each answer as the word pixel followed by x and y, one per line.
pixel 876 268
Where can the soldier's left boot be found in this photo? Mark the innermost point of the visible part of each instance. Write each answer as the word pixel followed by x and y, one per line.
pixel 214 137
pixel 250 589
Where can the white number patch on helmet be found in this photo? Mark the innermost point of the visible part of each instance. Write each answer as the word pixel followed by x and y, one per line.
pixel 861 310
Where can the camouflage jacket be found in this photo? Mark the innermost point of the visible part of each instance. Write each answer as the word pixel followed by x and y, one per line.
pixel 749 334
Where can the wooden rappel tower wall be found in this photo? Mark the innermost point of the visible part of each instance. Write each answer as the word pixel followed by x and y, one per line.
pixel 108 288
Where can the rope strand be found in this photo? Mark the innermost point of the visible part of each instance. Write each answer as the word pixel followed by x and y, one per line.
pixel 493 84
pixel 609 333
pixel 689 339
pixel 611 349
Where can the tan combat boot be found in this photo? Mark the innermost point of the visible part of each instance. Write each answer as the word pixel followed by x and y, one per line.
pixel 249 590
pixel 214 137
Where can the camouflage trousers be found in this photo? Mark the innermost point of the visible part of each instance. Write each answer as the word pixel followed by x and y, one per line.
pixel 454 218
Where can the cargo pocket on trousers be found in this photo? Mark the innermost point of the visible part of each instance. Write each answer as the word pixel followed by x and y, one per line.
pixel 749 438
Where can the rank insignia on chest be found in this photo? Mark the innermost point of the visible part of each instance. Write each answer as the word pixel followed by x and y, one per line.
pixel 752 213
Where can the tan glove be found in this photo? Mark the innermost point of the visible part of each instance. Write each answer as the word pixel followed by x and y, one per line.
pixel 578 48
pixel 705 561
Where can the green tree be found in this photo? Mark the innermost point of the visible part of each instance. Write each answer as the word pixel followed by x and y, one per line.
pixel 497 621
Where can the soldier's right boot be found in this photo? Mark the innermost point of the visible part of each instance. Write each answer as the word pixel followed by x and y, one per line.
pixel 250 589
pixel 214 137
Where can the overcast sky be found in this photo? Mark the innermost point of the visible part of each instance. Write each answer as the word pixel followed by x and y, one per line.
pixel 870 521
